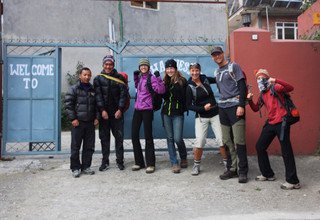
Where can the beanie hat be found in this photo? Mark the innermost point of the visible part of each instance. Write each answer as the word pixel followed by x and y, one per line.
pixel 144 61
pixel 107 58
pixel 263 72
pixel 171 63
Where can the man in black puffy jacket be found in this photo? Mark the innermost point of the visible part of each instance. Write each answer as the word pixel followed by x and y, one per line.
pixel 111 95
pixel 81 110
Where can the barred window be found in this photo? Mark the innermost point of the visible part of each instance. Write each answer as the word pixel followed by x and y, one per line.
pixel 287 30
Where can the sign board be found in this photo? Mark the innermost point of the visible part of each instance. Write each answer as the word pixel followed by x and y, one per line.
pixel 316 18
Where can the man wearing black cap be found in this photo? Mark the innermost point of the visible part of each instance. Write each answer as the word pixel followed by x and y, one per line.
pixel 232 87
pixel 111 97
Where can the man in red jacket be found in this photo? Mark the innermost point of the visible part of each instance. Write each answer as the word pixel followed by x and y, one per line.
pixel 272 128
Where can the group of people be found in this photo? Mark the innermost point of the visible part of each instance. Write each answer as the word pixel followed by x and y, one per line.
pixel 104 103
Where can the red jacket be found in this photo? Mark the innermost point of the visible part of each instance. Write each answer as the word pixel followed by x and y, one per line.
pixel 275 110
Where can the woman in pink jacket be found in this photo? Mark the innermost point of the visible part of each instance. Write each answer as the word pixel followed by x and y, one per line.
pixel 143 113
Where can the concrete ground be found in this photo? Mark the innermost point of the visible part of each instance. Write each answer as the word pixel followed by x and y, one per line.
pixel 39 187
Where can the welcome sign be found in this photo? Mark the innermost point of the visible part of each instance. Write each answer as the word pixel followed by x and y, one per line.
pixel 31 99
pixel 26 74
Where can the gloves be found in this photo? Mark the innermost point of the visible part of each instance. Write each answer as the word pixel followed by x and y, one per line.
pixel 137 72
pixel 156 73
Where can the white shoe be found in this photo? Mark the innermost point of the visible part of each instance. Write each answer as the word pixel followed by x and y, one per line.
pixel 195 170
pixel 263 178
pixel 289 186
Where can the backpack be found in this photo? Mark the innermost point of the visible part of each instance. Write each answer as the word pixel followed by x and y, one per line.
pixel 156 98
pixel 125 82
pixel 125 76
pixel 232 75
pixel 293 115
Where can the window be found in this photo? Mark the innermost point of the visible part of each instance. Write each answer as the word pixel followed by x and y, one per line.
pixel 144 4
pixel 287 30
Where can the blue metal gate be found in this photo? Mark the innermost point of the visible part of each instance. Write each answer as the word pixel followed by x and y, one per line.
pixel 31 109
pixel 31 103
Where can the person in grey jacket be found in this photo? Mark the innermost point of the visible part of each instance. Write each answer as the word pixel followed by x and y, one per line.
pixel 81 111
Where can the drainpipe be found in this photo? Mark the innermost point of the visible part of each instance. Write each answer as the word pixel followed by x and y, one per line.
pixel 121 21
pixel 267 15
pixel 111 33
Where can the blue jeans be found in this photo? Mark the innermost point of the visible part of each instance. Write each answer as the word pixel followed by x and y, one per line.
pixel 174 129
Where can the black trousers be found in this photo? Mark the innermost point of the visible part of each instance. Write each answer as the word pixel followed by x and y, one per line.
pixel 145 116
pixel 116 127
pixel 269 132
pixel 83 133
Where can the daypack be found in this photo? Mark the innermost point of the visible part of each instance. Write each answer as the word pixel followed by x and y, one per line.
pixel 293 115
pixel 232 75
pixel 156 98
pixel 127 105
pixel 125 82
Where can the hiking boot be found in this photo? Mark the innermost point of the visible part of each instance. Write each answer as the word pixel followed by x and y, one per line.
pixel 228 175
pixel 175 168
pixel 120 166
pixel 289 186
pixel 184 163
pixel 263 178
pixel 243 178
pixel 135 167
pixel 150 169
pixel 76 173
pixel 88 171
pixel 104 167
pixel 195 170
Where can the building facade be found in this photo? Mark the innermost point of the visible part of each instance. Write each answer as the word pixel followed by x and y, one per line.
pixel 277 16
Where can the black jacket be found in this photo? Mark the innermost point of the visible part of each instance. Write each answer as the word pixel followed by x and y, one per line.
pixel 202 96
pixel 174 99
pixel 110 95
pixel 80 104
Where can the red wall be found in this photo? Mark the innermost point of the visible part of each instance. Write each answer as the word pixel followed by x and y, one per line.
pixel 298 63
pixel 305 21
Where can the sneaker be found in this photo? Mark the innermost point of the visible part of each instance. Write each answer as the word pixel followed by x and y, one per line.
pixel 184 163
pixel 228 175
pixel 76 173
pixel 120 166
pixel 104 167
pixel 243 178
pixel 263 178
pixel 88 171
pixel 175 168
pixel 135 167
pixel 289 186
pixel 195 170
pixel 150 169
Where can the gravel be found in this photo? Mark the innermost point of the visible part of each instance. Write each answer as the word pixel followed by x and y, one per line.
pixel 41 188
